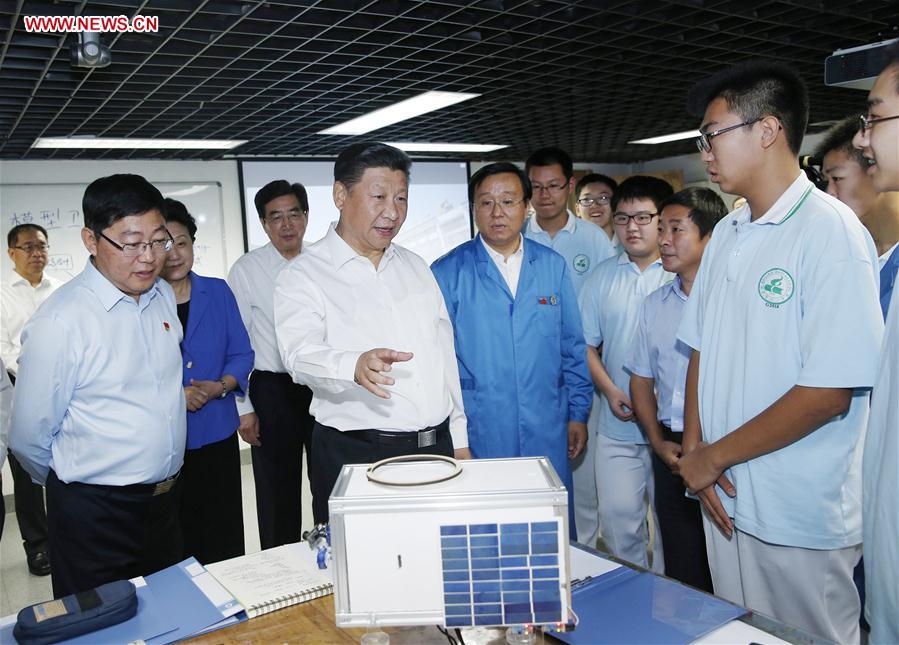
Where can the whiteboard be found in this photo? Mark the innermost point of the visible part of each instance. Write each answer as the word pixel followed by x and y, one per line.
pixel 57 207
pixel 438 218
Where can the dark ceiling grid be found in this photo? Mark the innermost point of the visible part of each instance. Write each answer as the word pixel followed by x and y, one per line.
pixel 589 75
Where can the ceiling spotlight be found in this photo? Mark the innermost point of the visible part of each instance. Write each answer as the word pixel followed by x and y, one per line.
pixel 90 52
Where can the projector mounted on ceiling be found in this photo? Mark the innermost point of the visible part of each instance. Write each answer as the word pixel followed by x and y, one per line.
pixel 89 51
pixel 857 67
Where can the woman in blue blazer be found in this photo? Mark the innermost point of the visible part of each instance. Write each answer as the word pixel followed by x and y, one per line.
pixel 217 359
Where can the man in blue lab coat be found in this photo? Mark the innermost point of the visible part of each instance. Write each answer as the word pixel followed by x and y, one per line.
pixel 519 341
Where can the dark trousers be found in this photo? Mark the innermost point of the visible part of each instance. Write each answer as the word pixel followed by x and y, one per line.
pixel 30 512
pixel 334 449
pixel 100 534
pixel 680 523
pixel 211 508
pixel 285 428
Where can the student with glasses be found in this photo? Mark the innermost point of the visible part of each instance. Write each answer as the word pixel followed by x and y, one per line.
pixel 99 413
pixel 593 195
pixel 610 304
pixel 274 418
pixel 20 296
pixel 785 327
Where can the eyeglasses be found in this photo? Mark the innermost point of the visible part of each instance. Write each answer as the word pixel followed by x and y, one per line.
pixel 623 219
pixel 294 215
pixel 600 200
pixel 136 249
pixel 867 123
pixel 704 140
pixel 33 248
pixel 485 206
pixel 553 189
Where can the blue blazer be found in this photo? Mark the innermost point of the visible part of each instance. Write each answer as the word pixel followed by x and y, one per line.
pixel 215 343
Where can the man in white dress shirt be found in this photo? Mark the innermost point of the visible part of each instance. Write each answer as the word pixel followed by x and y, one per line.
pixel 362 322
pixel 26 289
pixel 275 417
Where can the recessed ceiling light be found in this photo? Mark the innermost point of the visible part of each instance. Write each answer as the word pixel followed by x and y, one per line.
pixel 415 106
pixel 665 138
pixel 445 147
pixel 137 144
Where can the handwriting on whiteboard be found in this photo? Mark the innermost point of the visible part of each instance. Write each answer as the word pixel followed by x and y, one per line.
pixel 51 218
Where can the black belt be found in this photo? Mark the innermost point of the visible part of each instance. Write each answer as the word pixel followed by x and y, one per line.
pixel 159 488
pixel 670 435
pixel 421 439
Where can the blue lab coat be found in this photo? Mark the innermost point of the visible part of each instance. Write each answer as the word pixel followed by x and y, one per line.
pixel 522 361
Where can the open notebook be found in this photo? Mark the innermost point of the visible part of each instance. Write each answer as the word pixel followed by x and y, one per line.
pixel 273 579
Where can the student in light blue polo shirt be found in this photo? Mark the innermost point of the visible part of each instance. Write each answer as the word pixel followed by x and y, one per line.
pixel 786 327
pixel 583 247
pixel 658 369
pixel 610 303
pixel 878 139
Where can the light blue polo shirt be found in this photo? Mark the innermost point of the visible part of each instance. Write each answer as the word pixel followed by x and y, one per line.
pixel 789 299
pixel 610 306
pixel 659 355
pixel 583 245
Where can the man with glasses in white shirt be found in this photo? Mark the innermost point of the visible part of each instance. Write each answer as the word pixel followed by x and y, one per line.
pixel 99 413
pixel 274 418
pixel 362 322
pixel 20 296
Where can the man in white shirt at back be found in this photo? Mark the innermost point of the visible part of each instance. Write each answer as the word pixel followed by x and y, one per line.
pixel 362 322
pixel 26 290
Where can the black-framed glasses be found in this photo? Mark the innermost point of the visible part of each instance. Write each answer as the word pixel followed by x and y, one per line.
pixel 866 123
pixel 293 215
pixel 485 206
pixel 33 248
pixel 704 140
pixel 599 200
pixel 553 189
pixel 642 218
pixel 136 249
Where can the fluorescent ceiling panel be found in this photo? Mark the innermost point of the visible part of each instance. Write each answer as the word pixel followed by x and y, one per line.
pixel 415 106
pixel 137 144
pixel 665 138
pixel 445 147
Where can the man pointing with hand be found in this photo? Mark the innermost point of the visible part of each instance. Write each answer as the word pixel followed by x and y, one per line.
pixel 362 322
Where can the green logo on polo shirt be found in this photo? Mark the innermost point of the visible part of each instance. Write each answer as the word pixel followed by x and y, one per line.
pixel 776 287
pixel 581 263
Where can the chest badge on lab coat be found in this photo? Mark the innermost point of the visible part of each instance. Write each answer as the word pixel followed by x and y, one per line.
pixel 552 300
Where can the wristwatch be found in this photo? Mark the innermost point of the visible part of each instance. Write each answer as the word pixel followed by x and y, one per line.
pixel 224 388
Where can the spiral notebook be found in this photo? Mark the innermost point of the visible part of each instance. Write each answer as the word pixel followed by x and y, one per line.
pixel 273 579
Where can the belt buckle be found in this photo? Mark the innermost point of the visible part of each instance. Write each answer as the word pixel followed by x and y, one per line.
pixel 427 438
pixel 164 486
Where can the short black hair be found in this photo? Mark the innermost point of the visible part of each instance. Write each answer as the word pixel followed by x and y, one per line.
pixel 839 137
pixel 175 211
pixel 550 157
pixel 354 160
pixel 705 205
pixel 756 89
pixel 594 178
pixel 280 188
pixel 642 187
pixel 109 199
pixel 13 236
pixel 496 169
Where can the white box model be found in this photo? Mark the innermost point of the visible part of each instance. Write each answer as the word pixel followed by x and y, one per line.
pixel 487 547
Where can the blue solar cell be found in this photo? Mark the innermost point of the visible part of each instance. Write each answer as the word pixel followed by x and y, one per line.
pixel 549 572
pixel 457 610
pixel 457 598
pixel 545 538
pixel 454 542
pixel 513 538
pixel 514 561
pixel 515 549
pixel 483 540
pixel 517 574
pixel 544 548
pixel 485 552
pixel 546 595
pixel 486 596
pixel 484 563
pixel 485 574
pixel 545 584
pixel 485 586
pixel 456 529
pixel 482 528
pixel 516 585
pixel 547 616
pixel 456 587
pixel 455 565
pixel 458 621
pixel 513 528
pixel 518 619
pixel 517 597
pixel 493 619
pixel 544 560
pixel 454 554
pixel 494 608
pixel 456 576
pixel 544 527
pixel 554 605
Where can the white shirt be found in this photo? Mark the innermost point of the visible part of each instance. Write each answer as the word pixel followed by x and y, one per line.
pixel 789 299
pixel 509 267
pixel 19 302
pixel 610 306
pixel 6 394
pixel 252 279
pixel 332 305
pixel 883 259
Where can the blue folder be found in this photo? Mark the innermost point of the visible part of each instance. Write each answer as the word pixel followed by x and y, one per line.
pixel 627 606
